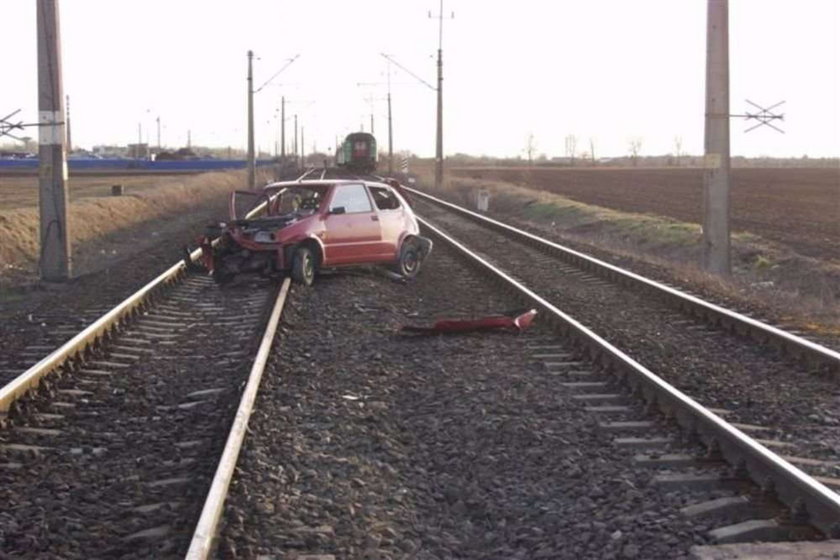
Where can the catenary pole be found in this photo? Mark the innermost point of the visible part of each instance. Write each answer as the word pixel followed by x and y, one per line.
pixel 390 139
pixel 283 128
pixel 55 264
pixel 296 143
pixel 67 120
pixel 439 135
pixel 252 164
pixel 716 175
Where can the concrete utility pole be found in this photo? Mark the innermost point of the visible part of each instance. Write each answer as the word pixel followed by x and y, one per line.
pixel 55 264
pixel 390 136
pixel 252 164
pixel 302 148
pixel 296 142
pixel 439 135
pixel 283 127
pixel 158 133
pixel 716 177
pixel 67 120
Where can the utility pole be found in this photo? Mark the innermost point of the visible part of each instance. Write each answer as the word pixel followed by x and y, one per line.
pixel 67 120
pixel 439 135
pixel 283 127
pixel 56 257
pixel 390 136
pixel 296 142
pixel 158 134
pixel 252 173
pixel 716 176
pixel 302 148
pixel 189 138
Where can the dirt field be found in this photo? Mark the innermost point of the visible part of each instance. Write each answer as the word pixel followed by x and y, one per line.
pixel 22 192
pixel 795 207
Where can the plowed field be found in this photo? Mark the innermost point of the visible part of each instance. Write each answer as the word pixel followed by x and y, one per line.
pixel 795 207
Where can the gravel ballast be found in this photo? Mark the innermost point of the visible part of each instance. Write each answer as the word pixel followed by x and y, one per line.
pixel 755 383
pixel 366 443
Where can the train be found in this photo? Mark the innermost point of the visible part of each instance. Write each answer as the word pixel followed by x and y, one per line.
pixel 357 153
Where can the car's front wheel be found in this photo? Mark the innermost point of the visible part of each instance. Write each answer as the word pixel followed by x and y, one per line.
pixel 303 266
pixel 408 264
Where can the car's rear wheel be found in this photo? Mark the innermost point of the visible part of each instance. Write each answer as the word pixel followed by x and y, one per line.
pixel 408 264
pixel 303 266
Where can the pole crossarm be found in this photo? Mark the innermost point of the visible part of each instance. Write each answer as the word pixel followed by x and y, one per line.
pixel 764 116
pixel 6 127
pixel 268 81
pixel 409 72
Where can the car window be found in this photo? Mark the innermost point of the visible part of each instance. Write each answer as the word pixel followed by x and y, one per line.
pixel 298 200
pixel 385 199
pixel 353 198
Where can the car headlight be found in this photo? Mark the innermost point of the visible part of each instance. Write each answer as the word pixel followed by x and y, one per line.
pixel 264 237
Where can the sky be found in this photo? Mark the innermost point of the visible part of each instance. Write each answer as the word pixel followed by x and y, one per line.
pixel 604 71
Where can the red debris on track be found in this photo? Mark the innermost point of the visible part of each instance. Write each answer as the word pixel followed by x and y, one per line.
pixel 518 320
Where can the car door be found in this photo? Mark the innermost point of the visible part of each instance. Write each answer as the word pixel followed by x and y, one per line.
pixel 352 227
pixel 391 219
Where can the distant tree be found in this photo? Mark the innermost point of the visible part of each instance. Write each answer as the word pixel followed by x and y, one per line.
pixel 571 148
pixel 531 148
pixel 635 148
pixel 678 141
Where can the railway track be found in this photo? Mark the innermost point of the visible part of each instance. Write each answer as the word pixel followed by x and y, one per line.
pixel 702 346
pixel 132 482
pixel 108 442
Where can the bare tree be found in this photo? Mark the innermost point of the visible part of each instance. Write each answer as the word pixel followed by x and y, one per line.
pixel 635 148
pixel 678 141
pixel 531 148
pixel 571 148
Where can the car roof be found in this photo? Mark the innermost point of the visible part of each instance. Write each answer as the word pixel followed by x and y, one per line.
pixel 324 182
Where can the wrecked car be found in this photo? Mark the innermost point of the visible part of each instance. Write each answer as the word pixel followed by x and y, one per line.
pixel 305 226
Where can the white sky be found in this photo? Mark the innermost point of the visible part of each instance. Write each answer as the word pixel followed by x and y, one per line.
pixel 610 70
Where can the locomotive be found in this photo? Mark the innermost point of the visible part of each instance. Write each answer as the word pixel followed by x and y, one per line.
pixel 357 153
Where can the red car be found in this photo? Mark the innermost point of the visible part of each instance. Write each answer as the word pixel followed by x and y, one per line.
pixel 308 225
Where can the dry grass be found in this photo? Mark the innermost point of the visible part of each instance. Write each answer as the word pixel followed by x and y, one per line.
pixel 766 275
pixel 92 217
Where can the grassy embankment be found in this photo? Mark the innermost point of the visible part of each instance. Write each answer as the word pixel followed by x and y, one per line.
pixel 96 215
pixel 797 289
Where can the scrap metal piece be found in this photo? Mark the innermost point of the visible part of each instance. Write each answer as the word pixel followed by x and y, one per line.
pixel 517 320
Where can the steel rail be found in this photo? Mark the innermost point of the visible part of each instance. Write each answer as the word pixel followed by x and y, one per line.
pixel 96 331
pixel 795 344
pixel 796 489
pixel 204 535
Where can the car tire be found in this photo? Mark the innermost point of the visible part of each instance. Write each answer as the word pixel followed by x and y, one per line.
pixel 303 266
pixel 408 265
pixel 222 276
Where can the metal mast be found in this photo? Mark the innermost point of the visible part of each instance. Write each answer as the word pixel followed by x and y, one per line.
pixel 55 264
pixel 252 164
pixel 716 177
